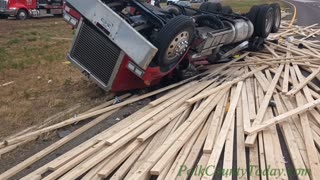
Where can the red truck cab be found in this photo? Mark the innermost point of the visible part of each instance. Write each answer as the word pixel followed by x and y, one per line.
pixel 23 9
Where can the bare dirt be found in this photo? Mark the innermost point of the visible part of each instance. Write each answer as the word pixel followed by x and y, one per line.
pixel 44 83
pixel 32 55
pixel 9 160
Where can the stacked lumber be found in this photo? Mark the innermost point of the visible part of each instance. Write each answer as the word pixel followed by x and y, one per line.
pixel 237 119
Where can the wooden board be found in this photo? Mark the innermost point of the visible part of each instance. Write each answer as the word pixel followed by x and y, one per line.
pixel 264 105
pixel 217 149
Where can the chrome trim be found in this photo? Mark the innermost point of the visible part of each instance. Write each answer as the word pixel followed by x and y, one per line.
pixel 84 70
pixel 3 5
pixel 116 68
pixel 77 31
pixel 95 79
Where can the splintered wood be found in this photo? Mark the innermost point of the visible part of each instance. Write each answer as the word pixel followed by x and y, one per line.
pixel 245 118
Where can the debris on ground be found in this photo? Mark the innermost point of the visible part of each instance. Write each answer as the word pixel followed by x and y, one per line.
pixel 63 133
pixel 230 109
pixel 7 84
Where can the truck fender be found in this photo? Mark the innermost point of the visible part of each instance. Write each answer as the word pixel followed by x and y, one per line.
pixel 19 6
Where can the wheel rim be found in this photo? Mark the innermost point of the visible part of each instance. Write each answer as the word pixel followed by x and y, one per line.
pixel 178 46
pixel 277 18
pixel 22 15
pixel 269 21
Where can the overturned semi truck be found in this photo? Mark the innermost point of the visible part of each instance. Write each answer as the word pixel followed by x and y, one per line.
pixel 126 44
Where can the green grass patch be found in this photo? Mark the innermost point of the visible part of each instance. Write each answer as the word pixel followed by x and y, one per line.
pixel 33 45
pixel 243 6
pixel 13 41
pixel 32 38
pixel 240 6
pixel 3 57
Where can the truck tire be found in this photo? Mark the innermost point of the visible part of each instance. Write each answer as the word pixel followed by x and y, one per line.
pixel 226 10
pixel 264 21
pixel 22 14
pixel 277 17
pixel 253 13
pixel 210 7
pixel 173 10
pixel 204 6
pixel 214 7
pixel 172 41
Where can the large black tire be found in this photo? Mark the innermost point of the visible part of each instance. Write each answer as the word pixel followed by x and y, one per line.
pixel 204 6
pixel 214 7
pixel 226 10
pixel 173 10
pixel 253 13
pixel 22 14
pixel 211 7
pixel 168 35
pixel 277 17
pixel 264 21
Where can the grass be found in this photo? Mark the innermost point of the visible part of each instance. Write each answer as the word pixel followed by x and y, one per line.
pixel 241 6
pixel 31 58
pixel 30 43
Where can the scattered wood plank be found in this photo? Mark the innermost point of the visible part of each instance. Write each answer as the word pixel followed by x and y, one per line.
pixel 203 120
pixel 91 114
pixel 282 117
pixel 264 105
pixel 212 102
pixel 289 139
pixel 217 149
pixel 7 84
pixel 240 125
pixel 53 147
pixel 215 124
pixel 303 83
pixel 312 152
pixel 236 80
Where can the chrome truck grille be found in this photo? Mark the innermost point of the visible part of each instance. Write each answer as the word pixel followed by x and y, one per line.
pixel 96 54
pixel 3 4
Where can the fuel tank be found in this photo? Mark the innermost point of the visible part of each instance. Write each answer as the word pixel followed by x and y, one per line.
pixel 241 30
pixel 234 31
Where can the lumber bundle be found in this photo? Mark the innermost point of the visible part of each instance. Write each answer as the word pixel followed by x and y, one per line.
pixel 238 119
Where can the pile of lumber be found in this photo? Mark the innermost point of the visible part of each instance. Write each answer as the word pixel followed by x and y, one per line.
pixel 237 119
pixel 302 33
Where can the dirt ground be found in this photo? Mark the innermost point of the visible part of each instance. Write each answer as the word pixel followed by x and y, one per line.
pixel 11 159
pixel 32 55
pixel 44 82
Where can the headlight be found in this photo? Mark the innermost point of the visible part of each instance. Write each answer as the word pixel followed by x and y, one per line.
pixel 70 19
pixel 66 17
pixel 13 8
pixel 73 22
